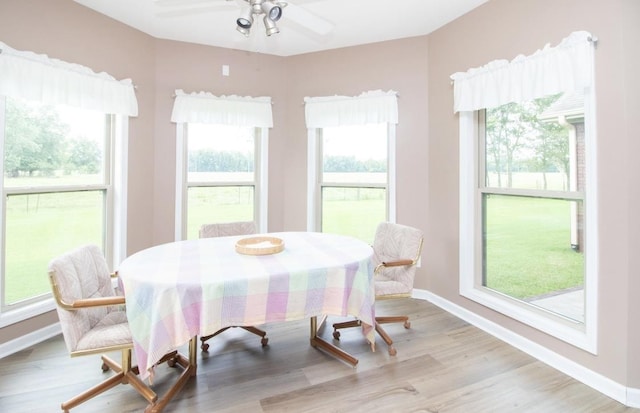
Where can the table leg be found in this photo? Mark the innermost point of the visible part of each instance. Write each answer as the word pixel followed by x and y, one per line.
pixel 190 366
pixel 317 342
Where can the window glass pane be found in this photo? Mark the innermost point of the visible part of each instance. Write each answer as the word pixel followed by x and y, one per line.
pixel 356 154
pixel 535 144
pixel 353 211
pixel 42 226
pixel 533 251
pixel 53 146
pixel 210 205
pixel 220 153
pixel 353 159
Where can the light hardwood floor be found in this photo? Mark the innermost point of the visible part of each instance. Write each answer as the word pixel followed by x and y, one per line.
pixel 443 365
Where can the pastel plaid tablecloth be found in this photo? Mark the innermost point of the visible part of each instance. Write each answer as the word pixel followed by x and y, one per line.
pixel 183 289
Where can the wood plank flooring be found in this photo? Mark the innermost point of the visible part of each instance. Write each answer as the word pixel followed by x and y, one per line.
pixel 443 365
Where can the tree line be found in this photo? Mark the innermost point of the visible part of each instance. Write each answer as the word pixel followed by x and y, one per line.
pixel 37 142
pixel 518 139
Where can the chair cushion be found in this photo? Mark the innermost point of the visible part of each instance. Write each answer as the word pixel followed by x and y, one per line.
pixel 112 330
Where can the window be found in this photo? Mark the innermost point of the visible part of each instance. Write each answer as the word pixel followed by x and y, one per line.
pixel 528 230
pixel 221 175
pixel 222 179
pixel 353 179
pixel 63 148
pixel 532 202
pixel 57 191
pixel 351 159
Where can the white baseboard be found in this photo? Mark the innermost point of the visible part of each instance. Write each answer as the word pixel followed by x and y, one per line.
pixel 30 339
pixel 625 395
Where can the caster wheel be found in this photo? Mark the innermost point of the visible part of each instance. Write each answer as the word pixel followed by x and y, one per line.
pixel 104 367
pixel 392 351
pixel 264 341
pixel 407 324
pixel 336 335
pixel 204 347
pixel 171 362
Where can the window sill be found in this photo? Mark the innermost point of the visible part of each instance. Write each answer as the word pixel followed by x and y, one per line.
pixel 20 314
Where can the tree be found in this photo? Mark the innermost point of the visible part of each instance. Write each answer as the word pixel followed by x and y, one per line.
pixel 34 139
pixel 83 156
pixel 514 129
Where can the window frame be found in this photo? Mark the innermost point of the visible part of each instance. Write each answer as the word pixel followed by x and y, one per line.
pixel 471 183
pixel 315 183
pixel 260 182
pixel 114 189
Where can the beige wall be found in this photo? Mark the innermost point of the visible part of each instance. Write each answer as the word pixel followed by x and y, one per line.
pixel 501 29
pixel 427 135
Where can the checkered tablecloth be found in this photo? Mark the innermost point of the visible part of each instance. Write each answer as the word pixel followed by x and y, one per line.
pixel 192 288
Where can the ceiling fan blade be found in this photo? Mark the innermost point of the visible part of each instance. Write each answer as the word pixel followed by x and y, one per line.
pixel 177 3
pixel 180 8
pixel 307 19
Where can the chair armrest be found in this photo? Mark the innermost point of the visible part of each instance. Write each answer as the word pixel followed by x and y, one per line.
pixel 398 263
pixel 98 302
pixel 83 302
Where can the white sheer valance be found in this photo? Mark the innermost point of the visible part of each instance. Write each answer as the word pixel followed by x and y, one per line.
pixel 203 107
pixel 567 67
pixel 37 77
pixel 370 107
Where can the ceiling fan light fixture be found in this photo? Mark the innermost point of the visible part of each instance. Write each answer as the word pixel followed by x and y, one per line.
pixel 270 26
pixel 271 10
pixel 245 20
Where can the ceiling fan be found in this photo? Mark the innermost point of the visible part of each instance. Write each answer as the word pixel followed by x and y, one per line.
pixel 270 11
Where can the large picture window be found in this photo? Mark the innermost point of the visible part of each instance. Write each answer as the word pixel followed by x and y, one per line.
pixel 57 191
pixel 532 202
pixel 63 150
pixel 528 192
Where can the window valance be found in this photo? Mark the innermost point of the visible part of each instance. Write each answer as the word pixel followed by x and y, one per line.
pixel 567 67
pixel 370 107
pixel 203 107
pixel 37 77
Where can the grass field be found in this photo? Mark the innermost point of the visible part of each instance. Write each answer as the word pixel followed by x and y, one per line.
pixel 528 249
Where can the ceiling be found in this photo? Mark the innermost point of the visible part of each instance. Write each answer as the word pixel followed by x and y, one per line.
pixel 306 25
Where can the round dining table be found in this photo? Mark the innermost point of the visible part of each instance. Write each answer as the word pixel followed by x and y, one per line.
pixel 177 291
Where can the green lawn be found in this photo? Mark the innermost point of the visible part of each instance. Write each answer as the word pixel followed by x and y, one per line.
pixel 40 227
pixel 528 248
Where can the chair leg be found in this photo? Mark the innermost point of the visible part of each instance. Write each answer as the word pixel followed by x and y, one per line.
pixel 204 346
pixel 394 319
pixel 264 341
pixel 258 332
pixel 387 339
pixel 379 320
pixel 124 374
pixel 345 324
pixel 94 391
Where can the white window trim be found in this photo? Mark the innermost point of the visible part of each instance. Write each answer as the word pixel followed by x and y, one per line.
pixel 115 207
pixel 262 167
pixel 582 335
pixel 314 164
